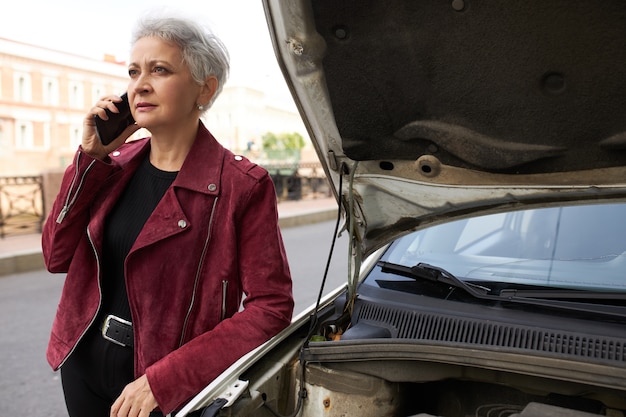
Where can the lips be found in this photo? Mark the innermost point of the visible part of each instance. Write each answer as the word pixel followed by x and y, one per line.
pixel 144 106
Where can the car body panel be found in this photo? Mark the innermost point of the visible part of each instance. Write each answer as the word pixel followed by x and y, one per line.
pixel 431 109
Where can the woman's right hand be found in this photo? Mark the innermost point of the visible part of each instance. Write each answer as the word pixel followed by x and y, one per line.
pixel 91 143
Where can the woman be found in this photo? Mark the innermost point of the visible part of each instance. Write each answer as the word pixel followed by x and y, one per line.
pixel 160 237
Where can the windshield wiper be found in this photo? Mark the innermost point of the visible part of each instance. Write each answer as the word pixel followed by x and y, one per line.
pixel 563 294
pixel 434 273
pixel 545 298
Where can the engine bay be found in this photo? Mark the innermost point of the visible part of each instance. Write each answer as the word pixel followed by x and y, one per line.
pixel 337 390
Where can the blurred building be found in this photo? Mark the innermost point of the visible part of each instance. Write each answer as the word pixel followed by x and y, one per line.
pixel 45 94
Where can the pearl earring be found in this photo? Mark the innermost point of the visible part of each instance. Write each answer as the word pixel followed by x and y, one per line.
pixel 200 107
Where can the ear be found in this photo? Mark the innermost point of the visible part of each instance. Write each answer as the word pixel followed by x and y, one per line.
pixel 208 89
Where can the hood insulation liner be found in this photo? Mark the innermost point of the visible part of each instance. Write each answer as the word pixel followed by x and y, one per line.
pixel 506 87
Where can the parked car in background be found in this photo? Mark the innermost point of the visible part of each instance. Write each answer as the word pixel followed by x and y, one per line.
pixel 478 152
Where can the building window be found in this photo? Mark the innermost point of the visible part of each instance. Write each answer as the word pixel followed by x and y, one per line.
pixel 76 95
pixel 76 137
pixel 22 89
pixel 24 135
pixel 50 89
pixel 97 91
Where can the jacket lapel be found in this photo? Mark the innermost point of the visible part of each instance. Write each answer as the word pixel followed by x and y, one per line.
pixel 195 187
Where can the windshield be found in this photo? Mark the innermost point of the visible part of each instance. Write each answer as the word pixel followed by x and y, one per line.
pixel 574 247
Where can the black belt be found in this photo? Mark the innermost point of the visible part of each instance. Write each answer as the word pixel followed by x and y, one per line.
pixel 118 331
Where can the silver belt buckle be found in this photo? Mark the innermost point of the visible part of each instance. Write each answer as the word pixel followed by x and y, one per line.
pixel 107 324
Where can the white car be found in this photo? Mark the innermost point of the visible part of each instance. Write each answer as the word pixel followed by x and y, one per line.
pixel 478 151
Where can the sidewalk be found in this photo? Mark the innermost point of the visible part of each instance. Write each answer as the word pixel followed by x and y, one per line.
pixel 22 253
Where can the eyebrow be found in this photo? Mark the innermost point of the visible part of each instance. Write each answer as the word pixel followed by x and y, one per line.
pixel 152 62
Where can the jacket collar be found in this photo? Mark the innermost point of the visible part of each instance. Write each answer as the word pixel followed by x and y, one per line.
pixel 202 167
pixel 201 172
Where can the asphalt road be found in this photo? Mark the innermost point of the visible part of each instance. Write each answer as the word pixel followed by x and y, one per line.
pixel 28 387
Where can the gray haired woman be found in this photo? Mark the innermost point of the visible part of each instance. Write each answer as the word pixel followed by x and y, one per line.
pixel 160 238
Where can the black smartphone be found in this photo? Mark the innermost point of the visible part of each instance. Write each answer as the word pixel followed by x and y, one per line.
pixel 109 130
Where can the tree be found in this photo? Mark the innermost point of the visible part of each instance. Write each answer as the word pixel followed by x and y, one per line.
pixel 283 141
pixel 283 146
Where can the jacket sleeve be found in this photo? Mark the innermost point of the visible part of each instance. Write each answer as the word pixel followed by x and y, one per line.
pixel 268 306
pixel 68 219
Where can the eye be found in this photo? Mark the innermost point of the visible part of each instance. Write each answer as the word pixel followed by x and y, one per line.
pixel 159 70
pixel 132 72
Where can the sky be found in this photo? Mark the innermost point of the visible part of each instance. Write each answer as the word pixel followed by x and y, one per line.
pixel 93 29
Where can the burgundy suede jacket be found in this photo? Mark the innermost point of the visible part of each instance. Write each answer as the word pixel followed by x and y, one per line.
pixel 213 237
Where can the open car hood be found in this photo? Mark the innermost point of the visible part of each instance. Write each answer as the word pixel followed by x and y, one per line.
pixel 424 111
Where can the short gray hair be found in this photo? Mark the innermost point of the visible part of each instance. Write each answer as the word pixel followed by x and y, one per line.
pixel 203 52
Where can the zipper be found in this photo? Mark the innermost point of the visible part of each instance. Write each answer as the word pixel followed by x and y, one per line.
pixel 224 295
pixel 93 319
pixel 69 200
pixel 197 277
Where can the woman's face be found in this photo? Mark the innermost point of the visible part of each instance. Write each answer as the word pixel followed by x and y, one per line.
pixel 162 92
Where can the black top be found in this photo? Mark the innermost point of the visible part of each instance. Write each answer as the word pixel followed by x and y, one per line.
pixel 137 202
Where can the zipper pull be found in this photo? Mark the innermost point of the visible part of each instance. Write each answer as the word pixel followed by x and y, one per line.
pixel 62 214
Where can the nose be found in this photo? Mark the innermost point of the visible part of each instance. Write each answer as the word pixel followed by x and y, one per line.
pixel 141 84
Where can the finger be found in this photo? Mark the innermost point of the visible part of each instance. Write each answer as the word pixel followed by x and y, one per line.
pixel 100 110
pixel 115 408
pixel 126 408
pixel 96 111
pixel 144 413
pixel 138 408
pixel 107 102
pixel 111 98
pixel 145 406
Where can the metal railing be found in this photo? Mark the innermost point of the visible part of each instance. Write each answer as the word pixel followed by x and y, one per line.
pixel 21 205
pixel 294 181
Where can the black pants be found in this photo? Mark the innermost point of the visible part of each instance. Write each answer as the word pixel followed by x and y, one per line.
pixel 94 376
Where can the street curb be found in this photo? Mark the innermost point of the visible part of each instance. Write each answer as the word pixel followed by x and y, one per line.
pixel 32 259
pixel 309 217
pixel 23 261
